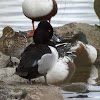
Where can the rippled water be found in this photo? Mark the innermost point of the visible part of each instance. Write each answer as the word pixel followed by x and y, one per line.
pixel 69 11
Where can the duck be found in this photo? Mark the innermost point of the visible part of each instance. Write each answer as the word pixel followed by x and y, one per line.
pixel 38 10
pixel 39 58
pixel 64 62
pixel 64 69
pixel 86 53
pixel 97 8
pixel 12 43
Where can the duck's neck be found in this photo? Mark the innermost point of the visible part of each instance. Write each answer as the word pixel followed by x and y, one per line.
pixel 50 44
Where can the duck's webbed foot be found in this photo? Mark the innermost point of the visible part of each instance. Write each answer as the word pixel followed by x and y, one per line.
pixel 11 63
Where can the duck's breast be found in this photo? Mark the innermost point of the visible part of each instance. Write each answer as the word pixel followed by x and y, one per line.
pixel 92 52
pixel 37 8
pixel 61 72
pixel 47 61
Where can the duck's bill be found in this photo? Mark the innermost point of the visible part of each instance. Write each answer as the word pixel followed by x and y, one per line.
pixel 56 38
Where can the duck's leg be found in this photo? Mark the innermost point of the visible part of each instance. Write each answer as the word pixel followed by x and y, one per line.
pixel 45 80
pixel 46 83
pixel 10 63
pixel 31 33
pixel 30 81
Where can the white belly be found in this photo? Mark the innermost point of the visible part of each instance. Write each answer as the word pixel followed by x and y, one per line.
pixel 48 61
pixel 37 8
pixel 60 73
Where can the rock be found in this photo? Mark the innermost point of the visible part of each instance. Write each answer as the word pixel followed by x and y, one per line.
pixel 76 87
pixel 92 32
pixel 22 91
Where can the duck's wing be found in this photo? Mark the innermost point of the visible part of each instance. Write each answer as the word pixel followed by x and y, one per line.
pixel 30 57
pixel 63 48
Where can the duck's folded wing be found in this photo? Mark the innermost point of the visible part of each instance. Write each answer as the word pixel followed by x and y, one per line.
pixel 30 57
pixel 63 48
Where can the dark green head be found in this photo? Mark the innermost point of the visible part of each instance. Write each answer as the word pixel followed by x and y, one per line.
pixel 80 37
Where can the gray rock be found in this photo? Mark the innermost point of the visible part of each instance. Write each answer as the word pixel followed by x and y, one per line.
pixel 92 32
pixel 76 87
pixel 22 91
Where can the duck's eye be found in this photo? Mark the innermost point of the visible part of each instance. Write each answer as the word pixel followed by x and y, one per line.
pixel 49 30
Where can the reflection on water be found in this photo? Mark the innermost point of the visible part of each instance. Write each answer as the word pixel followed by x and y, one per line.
pixel 82 96
pixel 86 74
pixel 91 76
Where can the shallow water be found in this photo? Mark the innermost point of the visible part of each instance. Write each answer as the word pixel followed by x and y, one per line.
pixel 89 75
pixel 69 11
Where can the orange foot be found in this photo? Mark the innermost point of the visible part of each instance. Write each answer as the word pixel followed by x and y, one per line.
pixel 30 34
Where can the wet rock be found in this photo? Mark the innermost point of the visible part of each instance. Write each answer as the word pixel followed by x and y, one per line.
pixel 76 87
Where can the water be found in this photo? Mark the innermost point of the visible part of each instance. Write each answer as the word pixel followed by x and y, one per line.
pixel 69 11
pixel 89 75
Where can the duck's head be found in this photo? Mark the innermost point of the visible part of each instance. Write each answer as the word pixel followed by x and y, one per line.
pixel 80 37
pixel 8 32
pixel 44 33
